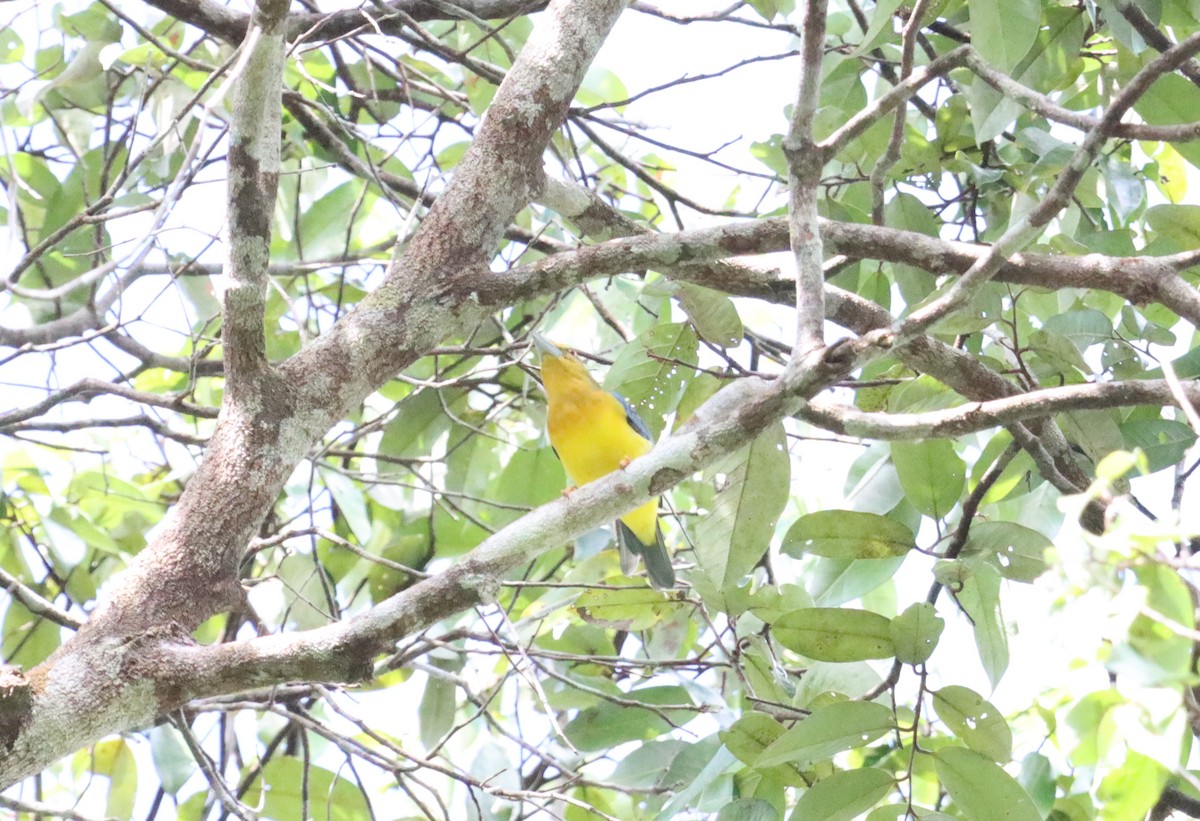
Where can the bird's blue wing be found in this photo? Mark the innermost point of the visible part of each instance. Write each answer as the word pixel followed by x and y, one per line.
pixel 633 420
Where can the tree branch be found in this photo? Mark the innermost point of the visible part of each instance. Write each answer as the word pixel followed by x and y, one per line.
pixel 805 163
pixel 948 423
pixel 221 21
pixel 912 28
pixel 1041 104
pixel 690 254
pixel 1150 33
pixel 250 202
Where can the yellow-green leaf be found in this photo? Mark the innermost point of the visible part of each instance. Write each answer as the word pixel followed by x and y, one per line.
pixel 835 634
pixel 847 534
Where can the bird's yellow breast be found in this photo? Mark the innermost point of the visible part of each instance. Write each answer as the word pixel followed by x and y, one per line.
pixel 591 435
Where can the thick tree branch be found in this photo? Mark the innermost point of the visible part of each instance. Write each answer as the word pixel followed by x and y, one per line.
pixel 102 680
pixel 1141 280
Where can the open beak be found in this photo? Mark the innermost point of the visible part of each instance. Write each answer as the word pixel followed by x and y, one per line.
pixel 545 346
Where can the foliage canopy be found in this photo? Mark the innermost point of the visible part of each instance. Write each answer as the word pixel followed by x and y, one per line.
pixel 916 342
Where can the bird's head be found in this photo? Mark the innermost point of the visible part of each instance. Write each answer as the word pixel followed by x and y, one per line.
pixel 560 366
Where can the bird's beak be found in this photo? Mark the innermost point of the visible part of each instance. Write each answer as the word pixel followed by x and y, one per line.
pixel 545 346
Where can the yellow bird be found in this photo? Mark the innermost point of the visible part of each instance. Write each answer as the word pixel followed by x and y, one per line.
pixel 595 432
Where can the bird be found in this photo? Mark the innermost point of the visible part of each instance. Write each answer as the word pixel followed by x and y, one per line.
pixel 595 432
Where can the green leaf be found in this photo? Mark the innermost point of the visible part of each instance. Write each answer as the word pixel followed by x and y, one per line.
pixel 601 86
pixel 351 502
pixel 915 633
pixel 646 766
pixel 1037 778
pixel 638 609
pixel 843 796
pixel 1017 551
pixel 1178 222
pixel 606 724
pixel 872 484
pixel 122 508
pixel 836 581
pixel 113 758
pixel 12 47
pixel 173 760
pixel 981 789
pixel 408 545
pixel 1171 100
pixel 748 809
pixel 1132 789
pixel 1164 441
pixel 921 394
pixel 418 421
pixel 479 93
pixel 1014 477
pixel 697 390
pixel 1057 354
pixel 714 773
pixel 882 27
pixel 1090 720
pixel 1154 651
pixel 823 681
pixel 1084 328
pixel 908 212
pixel 931 473
pixel 835 634
pixel 747 737
pixel 1094 431
pixel 1004 32
pixel 828 731
pixel 531 477
pixel 713 314
pixel 1115 465
pixel 287 786
pixel 765 677
pixel 735 535
pixel 650 371
pixel 767 9
pixel 28 639
pixel 327 227
pixel 439 702
pixel 847 534
pixel 81 526
pixel 764 785
pixel 977 590
pixel 975 720
pixel 306 595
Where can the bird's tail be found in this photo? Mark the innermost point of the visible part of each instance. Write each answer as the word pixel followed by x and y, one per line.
pixel 658 561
